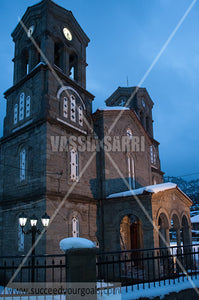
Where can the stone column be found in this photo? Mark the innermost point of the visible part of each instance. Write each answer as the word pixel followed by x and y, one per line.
pixel 31 58
pixel 167 237
pixel 80 269
pixel 81 265
pixel 47 47
pixel 178 236
pixel 65 61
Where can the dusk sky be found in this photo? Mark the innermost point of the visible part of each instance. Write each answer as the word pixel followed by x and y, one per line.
pixel 126 36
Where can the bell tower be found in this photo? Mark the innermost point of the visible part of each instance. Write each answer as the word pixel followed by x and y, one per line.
pixel 47 104
pixel 55 31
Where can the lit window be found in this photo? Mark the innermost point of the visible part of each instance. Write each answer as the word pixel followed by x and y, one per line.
pixel 27 106
pixel 80 116
pixel 21 106
pixel 22 164
pixel 15 113
pixel 73 108
pixel 20 239
pixel 131 172
pixel 65 107
pixel 74 165
pixel 75 227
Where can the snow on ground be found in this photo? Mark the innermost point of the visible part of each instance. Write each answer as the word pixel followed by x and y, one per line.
pixel 151 292
pixel 75 242
pixel 150 188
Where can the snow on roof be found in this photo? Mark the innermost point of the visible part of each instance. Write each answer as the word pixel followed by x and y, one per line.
pixel 150 188
pixel 39 64
pixel 113 108
pixel 75 242
pixel 195 219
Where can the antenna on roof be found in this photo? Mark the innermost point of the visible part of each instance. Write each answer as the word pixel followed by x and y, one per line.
pixel 127 81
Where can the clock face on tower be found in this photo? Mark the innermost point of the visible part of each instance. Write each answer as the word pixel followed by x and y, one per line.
pixel 67 34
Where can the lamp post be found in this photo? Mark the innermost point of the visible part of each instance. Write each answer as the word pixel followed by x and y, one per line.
pixel 45 219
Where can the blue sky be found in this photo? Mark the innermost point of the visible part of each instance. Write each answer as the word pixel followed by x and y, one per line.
pixel 126 36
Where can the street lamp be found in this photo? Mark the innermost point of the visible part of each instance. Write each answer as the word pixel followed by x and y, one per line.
pixel 45 219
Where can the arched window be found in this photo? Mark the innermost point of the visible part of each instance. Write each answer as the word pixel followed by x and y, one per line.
pixel 23 109
pixel 147 124
pixel 75 226
pixel 27 106
pixel 22 164
pixel 65 107
pixel 73 108
pixel 58 55
pixel 24 63
pixel 80 111
pixel 20 239
pixel 73 66
pixel 21 106
pixel 142 117
pixel 74 165
pixel 16 113
pixel 131 172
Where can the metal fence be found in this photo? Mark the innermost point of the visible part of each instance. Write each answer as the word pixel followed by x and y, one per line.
pixel 39 268
pixel 148 265
pixel 130 268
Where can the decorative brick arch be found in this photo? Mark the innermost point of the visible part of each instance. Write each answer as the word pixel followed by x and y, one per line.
pixel 68 88
pixel 126 212
pixel 184 213
pixel 174 212
pixel 130 230
pixel 165 212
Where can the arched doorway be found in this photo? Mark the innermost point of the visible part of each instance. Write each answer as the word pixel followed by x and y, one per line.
pixel 163 224
pixel 175 235
pixel 186 236
pixel 131 234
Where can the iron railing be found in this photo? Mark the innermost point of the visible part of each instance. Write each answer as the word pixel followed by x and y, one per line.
pixel 38 268
pixel 148 265
pixel 129 268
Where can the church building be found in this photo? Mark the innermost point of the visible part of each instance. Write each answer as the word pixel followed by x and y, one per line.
pixel 96 174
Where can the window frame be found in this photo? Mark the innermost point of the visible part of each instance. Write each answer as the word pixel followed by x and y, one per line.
pixel 16 111
pixel 21 106
pixel 22 164
pixel 75 226
pixel 74 165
